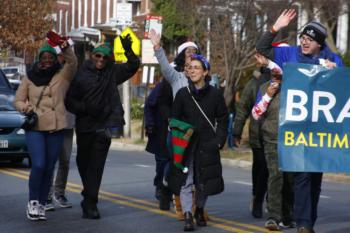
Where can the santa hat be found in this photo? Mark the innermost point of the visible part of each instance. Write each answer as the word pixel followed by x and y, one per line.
pixel 185 46
pixel 181 133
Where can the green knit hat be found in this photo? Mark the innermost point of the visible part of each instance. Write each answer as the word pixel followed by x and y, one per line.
pixel 181 133
pixel 47 48
pixel 105 49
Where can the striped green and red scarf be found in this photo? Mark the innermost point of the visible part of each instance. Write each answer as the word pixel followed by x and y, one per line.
pixel 181 133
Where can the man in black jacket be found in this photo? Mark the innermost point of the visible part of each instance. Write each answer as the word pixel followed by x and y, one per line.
pixel 93 97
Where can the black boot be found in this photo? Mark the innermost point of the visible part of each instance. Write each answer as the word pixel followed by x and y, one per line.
pixel 188 222
pixel 165 199
pixel 90 210
pixel 199 216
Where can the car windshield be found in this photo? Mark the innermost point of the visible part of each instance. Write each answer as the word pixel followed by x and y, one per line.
pixel 10 70
pixel 4 84
pixel 6 103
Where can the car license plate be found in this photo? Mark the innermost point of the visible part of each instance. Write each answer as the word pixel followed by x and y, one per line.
pixel 4 144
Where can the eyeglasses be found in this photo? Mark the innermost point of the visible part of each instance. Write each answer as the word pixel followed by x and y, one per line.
pixel 99 55
pixel 306 39
pixel 195 68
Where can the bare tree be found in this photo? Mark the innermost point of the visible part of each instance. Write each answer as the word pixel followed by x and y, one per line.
pixel 236 25
pixel 24 23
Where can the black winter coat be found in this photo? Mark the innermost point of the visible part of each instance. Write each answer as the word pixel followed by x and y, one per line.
pixel 205 143
pixel 93 95
pixel 157 113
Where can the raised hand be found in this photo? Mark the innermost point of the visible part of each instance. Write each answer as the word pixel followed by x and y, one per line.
pixel 284 19
pixel 155 38
pixel 126 42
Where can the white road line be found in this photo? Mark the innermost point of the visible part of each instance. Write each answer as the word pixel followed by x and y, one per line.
pixel 142 165
pixel 325 197
pixel 242 182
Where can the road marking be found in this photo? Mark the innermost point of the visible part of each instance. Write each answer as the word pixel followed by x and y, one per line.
pixel 242 182
pixel 220 223
pixel 142 165
pixel 325 197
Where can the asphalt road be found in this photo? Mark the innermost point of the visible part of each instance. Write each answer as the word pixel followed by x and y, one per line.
pixel 127 203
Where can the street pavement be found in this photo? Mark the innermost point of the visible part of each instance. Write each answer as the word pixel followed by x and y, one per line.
pixel 127 203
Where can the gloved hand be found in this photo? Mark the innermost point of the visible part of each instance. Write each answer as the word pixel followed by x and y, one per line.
pixel 126 42
pixel 150 130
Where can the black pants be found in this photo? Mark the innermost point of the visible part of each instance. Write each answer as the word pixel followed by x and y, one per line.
pixel 91 157
pixel 259 174
pixel 307 190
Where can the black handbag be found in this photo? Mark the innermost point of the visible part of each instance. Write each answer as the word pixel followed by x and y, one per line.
pixel 31 118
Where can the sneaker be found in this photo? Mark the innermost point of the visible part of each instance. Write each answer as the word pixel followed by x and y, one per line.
pixel 33 210
pixel 62 201
pixel 272 224
pixel 49 206
pixel 42 215
pixel 288 224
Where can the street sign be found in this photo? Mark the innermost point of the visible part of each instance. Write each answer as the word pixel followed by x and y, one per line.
pixel 124 13
pixel 118 47
pixel 148 56
pixel 153 22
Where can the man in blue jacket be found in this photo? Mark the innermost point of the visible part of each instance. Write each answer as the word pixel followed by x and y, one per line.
pixel 312 50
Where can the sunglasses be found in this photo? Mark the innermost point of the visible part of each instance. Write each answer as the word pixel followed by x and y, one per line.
pixel 98 55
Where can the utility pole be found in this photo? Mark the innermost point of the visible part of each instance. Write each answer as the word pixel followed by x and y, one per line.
pixel 126 102
pixel 208 39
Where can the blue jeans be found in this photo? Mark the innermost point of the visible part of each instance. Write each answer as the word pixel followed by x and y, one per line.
pixel 44 149
pixel 307 189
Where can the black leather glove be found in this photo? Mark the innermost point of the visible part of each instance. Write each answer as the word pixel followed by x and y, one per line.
pixel 150 130
pixel 126 42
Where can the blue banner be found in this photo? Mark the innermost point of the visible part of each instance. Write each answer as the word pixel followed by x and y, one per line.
pixel 314 119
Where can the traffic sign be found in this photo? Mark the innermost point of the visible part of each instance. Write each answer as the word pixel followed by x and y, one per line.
pixel 124 13
pixel 153 22
pixel 118 47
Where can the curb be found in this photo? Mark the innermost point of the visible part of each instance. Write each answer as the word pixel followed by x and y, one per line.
pixel 236 163
pixel 132 147
pixel 126 146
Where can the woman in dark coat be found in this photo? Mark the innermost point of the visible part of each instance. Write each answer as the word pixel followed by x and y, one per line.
pixel 202 155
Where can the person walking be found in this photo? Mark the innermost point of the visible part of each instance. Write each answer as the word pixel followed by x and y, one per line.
pixel 157 113
pixel 259 167
pixel 201 106
pixel 94 99
pixel 280 192
pixel 57 196
pixel 313 49
pixel 176 75
pixel 43 92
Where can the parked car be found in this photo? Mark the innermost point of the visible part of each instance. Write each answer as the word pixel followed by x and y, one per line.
pixel 10 71
pixel 12 138
pixel 13 75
